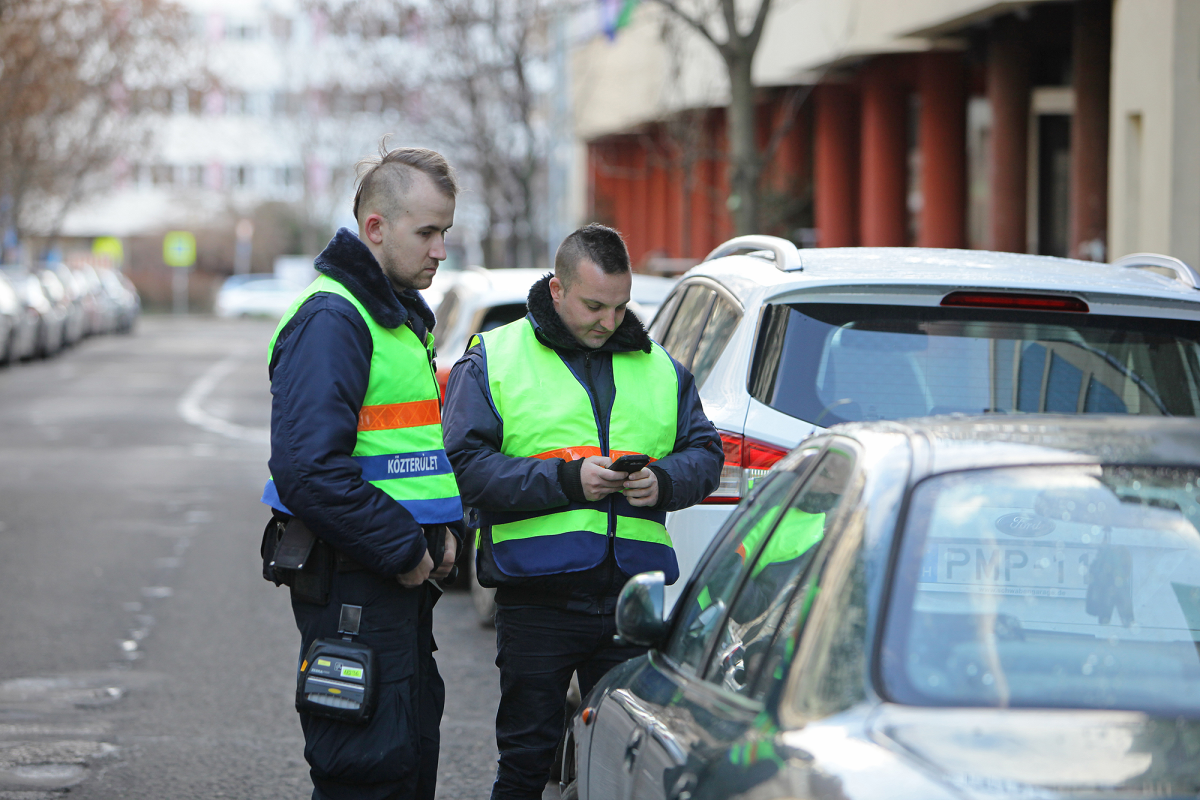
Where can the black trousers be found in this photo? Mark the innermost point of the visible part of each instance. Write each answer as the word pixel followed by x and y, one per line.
pixel 537 649
pixel 395 755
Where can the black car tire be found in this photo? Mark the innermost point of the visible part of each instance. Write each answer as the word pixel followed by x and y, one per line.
pixel 10 347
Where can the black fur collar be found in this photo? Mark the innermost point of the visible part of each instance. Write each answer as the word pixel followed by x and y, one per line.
pixel 348 261
pixel 629 336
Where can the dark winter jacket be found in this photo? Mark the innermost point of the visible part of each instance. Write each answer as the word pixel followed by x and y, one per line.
pixel 488 479
pixel 319 372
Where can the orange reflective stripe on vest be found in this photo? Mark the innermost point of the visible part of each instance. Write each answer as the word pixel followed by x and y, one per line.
pixel 399 415
pixel 583 451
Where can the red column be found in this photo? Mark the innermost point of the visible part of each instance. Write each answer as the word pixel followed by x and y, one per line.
pixel 1008 91
pixel 835 162
pixel 884 179
pixel 603 190
pixel 656 201
pixel 623 196
pixel 1091 54
pixel 942 139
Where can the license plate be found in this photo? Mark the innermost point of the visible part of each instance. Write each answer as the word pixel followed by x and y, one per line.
pixel 1036 570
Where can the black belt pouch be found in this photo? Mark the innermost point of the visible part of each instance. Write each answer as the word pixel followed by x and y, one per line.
pixel 301 561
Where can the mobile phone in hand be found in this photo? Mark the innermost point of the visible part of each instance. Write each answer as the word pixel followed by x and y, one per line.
pixel 630 462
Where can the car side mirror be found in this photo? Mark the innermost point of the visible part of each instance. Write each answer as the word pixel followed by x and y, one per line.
pixel 640 610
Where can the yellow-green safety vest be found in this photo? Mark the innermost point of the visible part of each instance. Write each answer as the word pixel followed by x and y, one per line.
pixel 399 447
pixel 548 412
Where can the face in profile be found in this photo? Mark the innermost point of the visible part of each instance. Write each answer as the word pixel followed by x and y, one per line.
pixel 414 241
pixel 592 305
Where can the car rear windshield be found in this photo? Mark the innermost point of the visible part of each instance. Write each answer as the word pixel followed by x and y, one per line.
pixel 1049 587
pixel 830 363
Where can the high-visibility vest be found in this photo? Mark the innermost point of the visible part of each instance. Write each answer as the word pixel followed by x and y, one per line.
pixel 548 412
pixel 399 446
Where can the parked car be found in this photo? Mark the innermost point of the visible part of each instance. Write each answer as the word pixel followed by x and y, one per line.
pixel 127 304
pixel 255 295
pixel 12 324
pixel 480 300
pixel 63 289
pixel 785 342
pixel 101 309
pixel 49 316
pixel 949 608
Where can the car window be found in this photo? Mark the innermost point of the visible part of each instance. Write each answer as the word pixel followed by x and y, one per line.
pixel 722 320
pixel 447 315
pixel 681 336
pixel 662 319
pixel 702 609
pixel 497 316
pixel 746 634
pixel 830 363
pixel 1071 586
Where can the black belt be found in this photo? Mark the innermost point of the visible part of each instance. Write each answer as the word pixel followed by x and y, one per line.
pixel 520 596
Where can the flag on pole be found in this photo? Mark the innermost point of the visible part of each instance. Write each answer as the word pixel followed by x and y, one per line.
pixel 616 14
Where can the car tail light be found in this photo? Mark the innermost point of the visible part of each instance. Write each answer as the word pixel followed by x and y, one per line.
pixel 745 460
pixel 1033 302
pixel 443 375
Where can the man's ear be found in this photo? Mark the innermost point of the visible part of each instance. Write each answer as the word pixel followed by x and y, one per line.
pixel 373 228
pixel 557 290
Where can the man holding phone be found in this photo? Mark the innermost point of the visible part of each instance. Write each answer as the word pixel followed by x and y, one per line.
pixel 573 435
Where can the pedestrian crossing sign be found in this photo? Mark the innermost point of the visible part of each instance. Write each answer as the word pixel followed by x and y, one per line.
pixel 179 249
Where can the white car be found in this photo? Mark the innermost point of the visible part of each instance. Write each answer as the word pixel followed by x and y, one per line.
pixel 480 300
pixel 255 295
pixel 784 343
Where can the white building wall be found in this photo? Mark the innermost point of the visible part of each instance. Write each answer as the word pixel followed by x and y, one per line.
pixel 1154 144
pixel 240 148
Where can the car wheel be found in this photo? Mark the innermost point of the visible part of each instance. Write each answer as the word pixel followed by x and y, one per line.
pixel 564 763
pixel 567 740
pixel 483 597
pixel 10 347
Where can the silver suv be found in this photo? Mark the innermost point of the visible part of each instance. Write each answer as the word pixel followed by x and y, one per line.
pixel 784 343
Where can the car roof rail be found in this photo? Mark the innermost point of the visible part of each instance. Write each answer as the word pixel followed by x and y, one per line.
pixel 787 256
pixel 1167 266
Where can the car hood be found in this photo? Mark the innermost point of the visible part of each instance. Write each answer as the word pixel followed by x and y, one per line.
pixel 1061 752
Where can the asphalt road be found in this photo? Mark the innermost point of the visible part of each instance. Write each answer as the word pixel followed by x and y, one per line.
pixel 143 654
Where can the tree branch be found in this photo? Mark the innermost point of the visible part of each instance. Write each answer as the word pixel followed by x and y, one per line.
pixel 691 21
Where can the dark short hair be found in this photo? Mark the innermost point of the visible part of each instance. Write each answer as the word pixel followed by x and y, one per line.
pixel 385 179
pixel 598 243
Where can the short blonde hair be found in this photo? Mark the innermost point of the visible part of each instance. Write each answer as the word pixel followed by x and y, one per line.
pixel 384 180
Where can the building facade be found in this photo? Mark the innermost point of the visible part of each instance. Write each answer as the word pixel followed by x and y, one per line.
pixel 1063 127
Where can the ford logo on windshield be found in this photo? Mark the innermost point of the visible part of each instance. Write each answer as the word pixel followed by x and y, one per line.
pixel 1026 526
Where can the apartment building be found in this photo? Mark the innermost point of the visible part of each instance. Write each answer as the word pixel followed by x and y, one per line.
pixel 1061 127
pixel 271 110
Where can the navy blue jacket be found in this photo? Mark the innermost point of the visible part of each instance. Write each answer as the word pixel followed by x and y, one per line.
pixel 488 479
pixel 319 372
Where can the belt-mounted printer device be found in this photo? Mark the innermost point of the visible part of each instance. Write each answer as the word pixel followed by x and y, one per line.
pixel 337 677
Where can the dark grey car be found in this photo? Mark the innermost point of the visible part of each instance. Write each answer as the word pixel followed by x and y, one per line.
pixel 958 607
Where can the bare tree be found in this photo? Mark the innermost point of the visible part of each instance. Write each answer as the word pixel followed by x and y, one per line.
pixel 68 70
pixel 492 114
pixel 473 77
pixel 735 34
pixel 362 77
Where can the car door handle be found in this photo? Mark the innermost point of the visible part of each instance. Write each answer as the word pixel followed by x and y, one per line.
pixel 631 749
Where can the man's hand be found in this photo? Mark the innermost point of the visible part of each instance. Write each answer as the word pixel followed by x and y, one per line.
pixel 415 577
pixel 641 488
pixel 598 482
pixel 448 559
